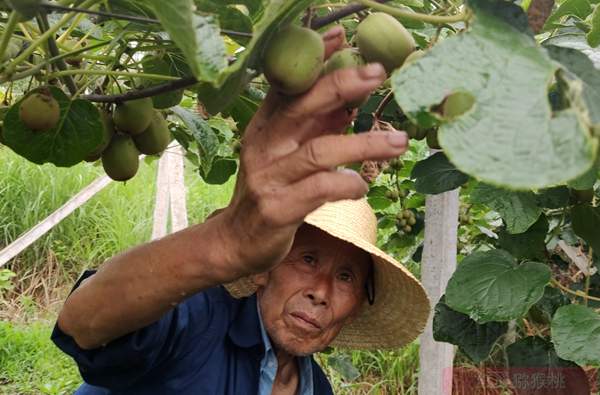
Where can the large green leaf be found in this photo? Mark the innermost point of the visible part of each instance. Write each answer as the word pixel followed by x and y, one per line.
pixel 535 369
pixel 578 8
pixel 231 81
pixel 510 136
pixel 490 286
pixel 528 245
pixel 204 135
pixel 576 334
pixel 583 80
pixel 436 175
pixel 586 223
pixel 473 339
pixel 230 18
pixel 77 133
pixel 519 210
pixel 197 36
pixel 544 309
pixel 576 41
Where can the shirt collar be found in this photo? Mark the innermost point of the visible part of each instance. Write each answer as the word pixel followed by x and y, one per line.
pixel 245 330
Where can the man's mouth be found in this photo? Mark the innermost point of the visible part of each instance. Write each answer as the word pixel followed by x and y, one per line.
pixel 304 321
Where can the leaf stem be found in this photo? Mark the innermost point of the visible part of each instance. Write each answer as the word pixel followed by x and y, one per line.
pixel 143 93
pixel 43 37
pixel 112 73
pixel 570 291
pixel 8 31
pixel 415 16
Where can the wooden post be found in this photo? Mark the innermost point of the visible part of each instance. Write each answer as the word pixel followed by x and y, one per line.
pixel 28 238
pixel 177 191
pixel 437 265
pixel 161 205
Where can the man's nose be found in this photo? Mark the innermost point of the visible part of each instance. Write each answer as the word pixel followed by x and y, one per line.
pixel 319 292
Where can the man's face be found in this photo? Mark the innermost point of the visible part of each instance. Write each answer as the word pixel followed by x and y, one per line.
pixel 317 289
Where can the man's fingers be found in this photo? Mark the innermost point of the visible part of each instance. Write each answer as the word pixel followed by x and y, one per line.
pixel 303 197
pixel 335 90
pixel 327 152
pixel 334 39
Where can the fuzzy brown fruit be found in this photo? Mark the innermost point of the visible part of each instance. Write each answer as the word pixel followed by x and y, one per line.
pixel 343 59
pixel 156 138
pixel 133 117
pixel 39 111
pixel 293 59
pixel 121 158
pixel 382 38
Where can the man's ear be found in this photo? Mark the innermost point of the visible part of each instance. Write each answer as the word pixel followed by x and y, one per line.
pixel 261 279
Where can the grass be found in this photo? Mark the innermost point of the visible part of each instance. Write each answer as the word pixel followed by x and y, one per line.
pixel 117 218
pixel 31 364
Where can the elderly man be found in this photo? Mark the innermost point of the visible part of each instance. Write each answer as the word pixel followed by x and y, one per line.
pixel 299 274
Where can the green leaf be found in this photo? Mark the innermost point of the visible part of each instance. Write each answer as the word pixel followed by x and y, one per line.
pixel 528 245
pixel 78 132
pixel 576 41
pixel 578 8
pixel 533 359
pixel 475 340
pixel 436 175
pixel 510 136
pixel 377 199
pixel 235 77
pixel 593 36
pixel 519 210
pixel 205 136
pixel 221 170
pixel 586 222
pixel 343 365
pixel 544 309
pixel 553 198
pixel 586 181
pixel 582 79
pixel 230 18
pixel 197 36
pixel 490 286
pixel 576 334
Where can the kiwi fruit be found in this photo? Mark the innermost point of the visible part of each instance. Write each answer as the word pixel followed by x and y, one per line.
pixel 155 138
pixel 293 59
pixel 39 111
pixel 133 117
pixel 121 158
pixel 383 39
pixel 108 130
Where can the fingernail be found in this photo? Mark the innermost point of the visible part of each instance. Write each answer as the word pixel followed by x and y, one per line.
pixel 372 70
pixel 397 139
pixel 332 33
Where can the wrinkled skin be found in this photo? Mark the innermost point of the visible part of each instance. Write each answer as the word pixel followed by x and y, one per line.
pixel 321 280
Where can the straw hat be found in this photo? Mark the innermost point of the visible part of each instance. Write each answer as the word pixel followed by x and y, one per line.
pixel 401 308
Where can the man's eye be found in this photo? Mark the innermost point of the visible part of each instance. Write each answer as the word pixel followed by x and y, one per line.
pixel 346 277
pixel 309 259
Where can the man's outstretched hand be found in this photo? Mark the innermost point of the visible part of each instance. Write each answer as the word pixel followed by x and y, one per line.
pixel 288 163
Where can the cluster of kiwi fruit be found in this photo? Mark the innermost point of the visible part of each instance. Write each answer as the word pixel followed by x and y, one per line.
pixel 294 58
pixel 135 127
pixel 405 220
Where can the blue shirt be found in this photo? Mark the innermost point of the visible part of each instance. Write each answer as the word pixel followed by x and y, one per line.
pixel 268 367
pixel 211 343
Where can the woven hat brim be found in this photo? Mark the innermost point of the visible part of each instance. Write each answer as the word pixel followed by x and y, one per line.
pixel 397 317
